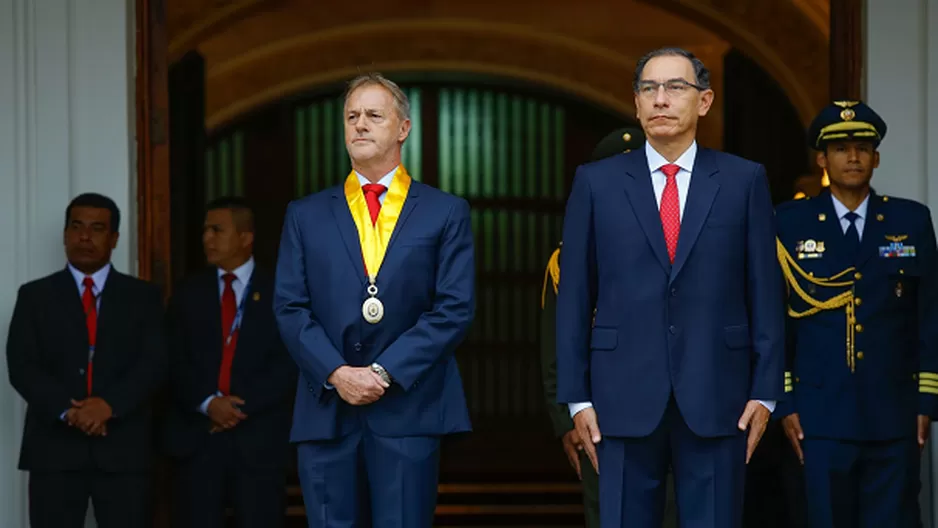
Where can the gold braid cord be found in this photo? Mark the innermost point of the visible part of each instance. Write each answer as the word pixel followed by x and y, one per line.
pixel 845 299
pixel 553 273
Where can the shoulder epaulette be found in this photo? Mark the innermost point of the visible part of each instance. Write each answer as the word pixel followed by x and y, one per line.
pixel 553 273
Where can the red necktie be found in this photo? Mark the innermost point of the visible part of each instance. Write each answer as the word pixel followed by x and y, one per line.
pixel 229 342
pixel 91 321
pixel 372 192
pixel 670 209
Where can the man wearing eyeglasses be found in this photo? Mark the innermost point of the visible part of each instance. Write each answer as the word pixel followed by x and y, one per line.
pixel 673 246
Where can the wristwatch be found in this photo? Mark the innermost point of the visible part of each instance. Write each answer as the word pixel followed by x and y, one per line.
pixel 379 370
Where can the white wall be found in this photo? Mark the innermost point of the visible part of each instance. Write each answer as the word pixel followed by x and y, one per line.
pixel 66 127
pixel 901 82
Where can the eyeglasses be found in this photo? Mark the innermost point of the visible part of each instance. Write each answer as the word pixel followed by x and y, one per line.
pixel 673 87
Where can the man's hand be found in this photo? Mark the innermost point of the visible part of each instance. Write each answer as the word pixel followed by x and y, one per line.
pixel 572 445
pixel 924 428
pixel 792 426
pixel 755 417
pixel 71 418
pixel 587 427
pixel 357 385
pixel 224 412
pixel 90 415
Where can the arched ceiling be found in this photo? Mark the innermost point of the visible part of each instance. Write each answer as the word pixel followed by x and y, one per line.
pixel 257 51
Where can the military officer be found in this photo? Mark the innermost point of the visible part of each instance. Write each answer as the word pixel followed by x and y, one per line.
pixel 862 378
pixel 617 141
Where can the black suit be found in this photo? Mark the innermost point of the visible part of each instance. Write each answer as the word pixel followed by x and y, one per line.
pixel 47 354
pixel 248 463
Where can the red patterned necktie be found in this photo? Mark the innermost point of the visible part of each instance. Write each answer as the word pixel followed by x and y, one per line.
pixel 670 209
pixel 229 342
pixel 91 321
pixel 372 192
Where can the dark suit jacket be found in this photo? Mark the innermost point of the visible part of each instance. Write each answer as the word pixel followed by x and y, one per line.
pixel 262 373
pixel 47 352
pixel 426 283
pixel 710 327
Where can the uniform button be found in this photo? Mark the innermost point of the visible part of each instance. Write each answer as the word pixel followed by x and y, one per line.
pixel 858 275
pixel 858 301
pixel 797 380
pixel 672 329
pixel 859 355
pixel 81 372
pixel 859 327
pixel 358 347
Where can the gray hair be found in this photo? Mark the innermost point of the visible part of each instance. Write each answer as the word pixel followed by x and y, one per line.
pixel 701 72
pixel 376 79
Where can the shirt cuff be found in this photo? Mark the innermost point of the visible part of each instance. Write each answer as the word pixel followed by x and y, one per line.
pixel 327 386
pixel 768 404
pixel 204 407
pixel 577 407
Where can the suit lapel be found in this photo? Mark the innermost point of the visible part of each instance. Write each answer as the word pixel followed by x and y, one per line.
pixel 389 265
pixel 703 189
pixel 109 312
pixel 73 313
pixel 348 232
pixel 212 302
pixel 641 195
pixel 832 234
pixel 259 291
pixel 413 196
pixel 873 232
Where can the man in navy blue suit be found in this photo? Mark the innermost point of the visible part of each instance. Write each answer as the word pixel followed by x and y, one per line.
pixel 374 292
pixel 673 246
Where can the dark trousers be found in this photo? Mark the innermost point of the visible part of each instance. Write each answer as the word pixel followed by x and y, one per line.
pixel 861 484
pixel 363 480
pixel 59 499
pixel 709 476
pixel 216 477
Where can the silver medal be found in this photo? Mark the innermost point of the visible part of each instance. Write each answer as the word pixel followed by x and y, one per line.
pixel 372 308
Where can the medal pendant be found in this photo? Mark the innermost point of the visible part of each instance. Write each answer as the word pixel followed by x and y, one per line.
pixel 372 308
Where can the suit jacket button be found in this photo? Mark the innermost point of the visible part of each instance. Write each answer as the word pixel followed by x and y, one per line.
pixel 673 292
pixel 358 347
pixel 672 329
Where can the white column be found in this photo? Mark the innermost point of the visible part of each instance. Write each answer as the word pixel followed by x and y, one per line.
pixel 66 127
pixel 901 80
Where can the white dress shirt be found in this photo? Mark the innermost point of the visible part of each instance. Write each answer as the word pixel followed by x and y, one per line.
pixel 242 276
pixel 658 181
pixel 99 277
pixel 385 180
pixel 842 211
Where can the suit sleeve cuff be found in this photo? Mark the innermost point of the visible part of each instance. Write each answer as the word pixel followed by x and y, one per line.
pixel 577 407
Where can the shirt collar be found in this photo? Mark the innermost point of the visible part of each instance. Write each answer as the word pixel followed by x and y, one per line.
pixel 99 277
pixel 685 161
pixel 842 210
pixel 242 272
pixel 385 180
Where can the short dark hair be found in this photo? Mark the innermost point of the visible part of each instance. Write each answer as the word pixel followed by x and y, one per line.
pixel 98 201
pixel 240 208
pixel 701 72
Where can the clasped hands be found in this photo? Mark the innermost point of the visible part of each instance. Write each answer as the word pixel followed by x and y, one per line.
pixel 90 415
pixel 357 385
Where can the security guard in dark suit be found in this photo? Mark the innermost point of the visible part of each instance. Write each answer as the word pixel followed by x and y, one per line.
pixel 862 378
pixel 616 142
